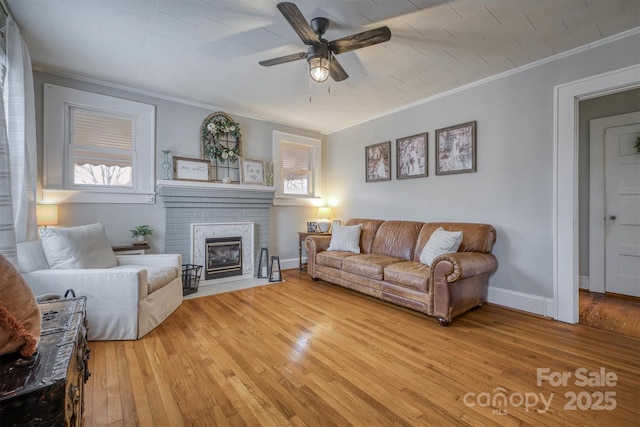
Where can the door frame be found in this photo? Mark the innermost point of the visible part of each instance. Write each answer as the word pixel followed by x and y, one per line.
pixel 565 180
pixel 597 195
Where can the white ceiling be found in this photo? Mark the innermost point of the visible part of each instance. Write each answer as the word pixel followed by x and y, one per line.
pixel 208 50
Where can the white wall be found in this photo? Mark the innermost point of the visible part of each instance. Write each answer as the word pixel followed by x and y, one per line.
pixel 512 189
pixel 177 128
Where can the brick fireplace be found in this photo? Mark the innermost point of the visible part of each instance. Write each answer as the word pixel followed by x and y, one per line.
pixel 194 211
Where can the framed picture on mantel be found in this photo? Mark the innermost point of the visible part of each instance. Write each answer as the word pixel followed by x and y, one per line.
pixel 187 169
pixel 252 171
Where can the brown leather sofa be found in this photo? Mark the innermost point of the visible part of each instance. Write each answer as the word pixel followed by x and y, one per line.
pixel 389 268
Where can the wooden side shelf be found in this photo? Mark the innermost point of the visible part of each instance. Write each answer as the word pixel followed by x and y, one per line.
pixel 131 249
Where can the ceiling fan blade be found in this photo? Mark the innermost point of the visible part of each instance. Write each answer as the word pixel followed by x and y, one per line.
pixel 293 15
pixel 360 40
pixel 336 71
pixel 284 59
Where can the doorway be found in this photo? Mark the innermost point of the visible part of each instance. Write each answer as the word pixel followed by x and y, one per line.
pixel 565 215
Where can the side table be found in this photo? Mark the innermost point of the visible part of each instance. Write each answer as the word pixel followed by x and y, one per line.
pixel 301 237
pixel 130 249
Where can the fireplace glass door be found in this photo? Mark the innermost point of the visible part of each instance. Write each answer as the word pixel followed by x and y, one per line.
pixel 223 257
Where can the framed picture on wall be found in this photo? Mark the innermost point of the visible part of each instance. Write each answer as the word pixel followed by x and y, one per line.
pixel 456 149
pixel 378 162
pixel 412 156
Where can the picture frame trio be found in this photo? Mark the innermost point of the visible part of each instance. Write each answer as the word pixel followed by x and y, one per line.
pixel 455 153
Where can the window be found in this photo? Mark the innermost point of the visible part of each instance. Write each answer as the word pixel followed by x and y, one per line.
pixel 296 165
pixel 297 169
pixel 99 147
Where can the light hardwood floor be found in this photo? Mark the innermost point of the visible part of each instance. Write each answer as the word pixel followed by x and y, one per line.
pixel 611 312
pixel 306 353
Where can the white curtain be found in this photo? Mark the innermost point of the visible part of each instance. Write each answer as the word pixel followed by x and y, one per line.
pixel 7 229
pixel 19 107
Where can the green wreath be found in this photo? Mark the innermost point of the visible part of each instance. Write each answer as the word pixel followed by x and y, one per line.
pixel 214 128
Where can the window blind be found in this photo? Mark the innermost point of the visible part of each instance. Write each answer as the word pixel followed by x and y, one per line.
pixel 111 136
pixel 296 157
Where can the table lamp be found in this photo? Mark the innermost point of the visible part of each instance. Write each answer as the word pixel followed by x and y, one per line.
pixel 47 215
pixel 324 215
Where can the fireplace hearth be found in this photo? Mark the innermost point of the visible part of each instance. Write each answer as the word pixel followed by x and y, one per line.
pixel 223 257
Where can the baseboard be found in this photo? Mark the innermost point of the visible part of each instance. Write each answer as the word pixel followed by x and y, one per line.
pixel 583 282
pixel 520 301
pixel 290 264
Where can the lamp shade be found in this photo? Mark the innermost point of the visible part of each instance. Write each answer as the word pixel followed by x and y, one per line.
pixel 324 213
pixel 47 214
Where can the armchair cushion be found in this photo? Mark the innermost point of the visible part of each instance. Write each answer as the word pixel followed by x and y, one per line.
pixel 158 277
pixel 86 246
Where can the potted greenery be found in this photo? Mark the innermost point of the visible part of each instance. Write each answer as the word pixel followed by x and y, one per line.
pixel 140 233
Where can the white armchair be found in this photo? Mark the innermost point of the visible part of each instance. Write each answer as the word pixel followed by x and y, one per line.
pixel 124 302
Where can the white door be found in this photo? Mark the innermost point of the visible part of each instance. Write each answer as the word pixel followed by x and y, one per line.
pixel 622 230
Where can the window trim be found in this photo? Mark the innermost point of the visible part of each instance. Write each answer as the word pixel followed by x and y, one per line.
pixel 55 182
pixel 316 144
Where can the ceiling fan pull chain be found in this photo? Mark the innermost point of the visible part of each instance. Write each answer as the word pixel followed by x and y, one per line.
pixel 329 80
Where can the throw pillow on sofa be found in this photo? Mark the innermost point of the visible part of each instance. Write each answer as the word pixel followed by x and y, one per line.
pixel 20 318
pixel 441 242
pixel 86 246
pixel 345 238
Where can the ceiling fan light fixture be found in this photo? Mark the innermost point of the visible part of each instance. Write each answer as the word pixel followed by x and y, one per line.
pixel 319 69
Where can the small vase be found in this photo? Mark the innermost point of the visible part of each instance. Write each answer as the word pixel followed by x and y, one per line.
pixel 139 240
pixel 268 173
pixel 166 166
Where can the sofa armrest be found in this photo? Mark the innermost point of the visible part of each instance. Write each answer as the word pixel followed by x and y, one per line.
pixel 459 282
pixel 129 283
pixel 151 260
pixel 462 265
pixel 314 245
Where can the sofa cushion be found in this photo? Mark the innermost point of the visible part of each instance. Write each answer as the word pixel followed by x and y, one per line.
pixel 86 246
pixel 368 265
pixel 369 230
pixel 31 256
pixel 410 274
pixel 345 238
pixel 396 239
pixel 475 237
pixel 159 277
pixel 332 258
pixel 440 242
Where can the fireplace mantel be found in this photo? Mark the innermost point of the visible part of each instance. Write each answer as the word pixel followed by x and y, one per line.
pixel 212 185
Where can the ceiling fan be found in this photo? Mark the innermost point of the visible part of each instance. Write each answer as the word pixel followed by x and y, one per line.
pixel 320 54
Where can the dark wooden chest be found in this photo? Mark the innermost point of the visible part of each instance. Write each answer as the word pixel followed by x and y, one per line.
pixel 47 389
